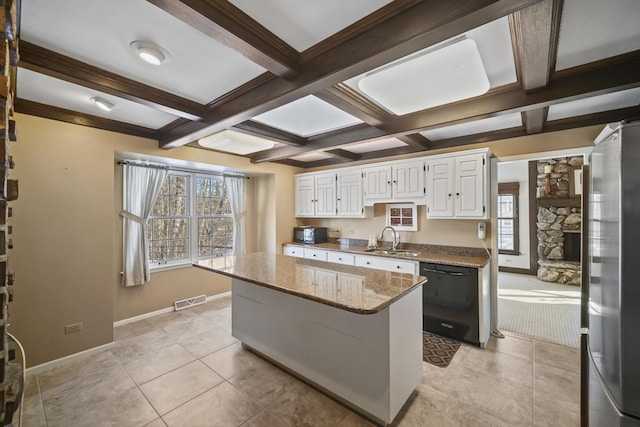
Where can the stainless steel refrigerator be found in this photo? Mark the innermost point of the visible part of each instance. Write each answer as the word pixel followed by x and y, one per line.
pixel 611 327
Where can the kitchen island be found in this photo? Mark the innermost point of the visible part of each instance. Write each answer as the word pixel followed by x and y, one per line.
pixel 353 332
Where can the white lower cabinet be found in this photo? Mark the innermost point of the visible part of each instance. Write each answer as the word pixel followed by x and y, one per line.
pixel 318 254
pixel 295 251
pixel 341 258
pixel 367 261
pixel 387 264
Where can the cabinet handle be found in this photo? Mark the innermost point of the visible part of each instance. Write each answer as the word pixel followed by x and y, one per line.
pixel 368 263
pixel 397 266
pixel 338 198
pixel 395 182
pixel 457 194
pixel 339 259
pixel 449 195
pixel 389 182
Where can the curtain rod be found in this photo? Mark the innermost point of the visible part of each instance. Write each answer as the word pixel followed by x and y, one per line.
pixel 178 169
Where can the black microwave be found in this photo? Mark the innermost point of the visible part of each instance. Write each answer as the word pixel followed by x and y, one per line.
pixel 310 235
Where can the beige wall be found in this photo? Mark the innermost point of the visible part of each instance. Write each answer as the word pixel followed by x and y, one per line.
pixel 67 234
pixel 460 232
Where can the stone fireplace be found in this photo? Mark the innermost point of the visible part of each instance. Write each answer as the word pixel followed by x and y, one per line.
pixel 559 221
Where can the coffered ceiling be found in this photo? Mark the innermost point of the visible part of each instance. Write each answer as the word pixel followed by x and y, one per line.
pixel 311 83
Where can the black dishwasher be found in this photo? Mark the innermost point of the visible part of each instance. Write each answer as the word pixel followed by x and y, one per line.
pixel 450 301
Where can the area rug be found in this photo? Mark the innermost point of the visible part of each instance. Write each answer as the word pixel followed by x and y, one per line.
pixel 437 350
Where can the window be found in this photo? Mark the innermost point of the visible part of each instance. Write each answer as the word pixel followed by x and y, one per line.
pixel 191 219
pixel 508 218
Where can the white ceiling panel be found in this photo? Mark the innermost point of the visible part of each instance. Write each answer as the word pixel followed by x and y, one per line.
pixel 47 90
pixel 367 147
pixel 595 104
pixel 495 52
pixel 100 32
pixel 505 121
pixel 312 157
pixel 302 24
pixel 307 116
pixel 236 142
pixel 591 30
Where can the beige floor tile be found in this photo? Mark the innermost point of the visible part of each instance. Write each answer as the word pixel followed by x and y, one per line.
pixel 154 363
pixel 263 419
pixel 547 412
pixel 184 324
pixel 31 386
pixel 32 413
pixel 232 360
pixel 423 411
pixel 223 403
pixel 96 371
pixel 156 423
pixel 304 406
pixel 556 355
pixel 208 342
pixel 132 348
pixel 560 386
pixel 102 407
pixel 512 345
pixel 500 365
pixel 177 387
pixel 263 383
pixel 355 420
pixel 134 329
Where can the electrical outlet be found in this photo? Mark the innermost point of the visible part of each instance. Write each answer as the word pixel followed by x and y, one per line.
pixel 74 327
pixel 334 232
pixel 348 231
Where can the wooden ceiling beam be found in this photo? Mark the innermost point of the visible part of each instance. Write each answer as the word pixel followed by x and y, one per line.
pixel 266 131
pixel 55 113
pixel 351 101
pixel 344 154
pixel 608 76
pixel 231 27
pixel 47 62
pixel 416 141
pixel 604 117
pixel 416 28
pixel 534 34
pixel 533 120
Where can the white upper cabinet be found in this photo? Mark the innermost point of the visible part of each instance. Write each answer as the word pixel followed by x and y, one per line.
pixel 329 194
pixel 458 186
pixel 408 181
pixel 396 182
pixel 349 184
pixel 377 183
pixel 315 195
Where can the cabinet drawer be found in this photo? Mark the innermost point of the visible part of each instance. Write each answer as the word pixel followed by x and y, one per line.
pixel 318 254
pixel 341 258
pixel 387 264
pixel 293 251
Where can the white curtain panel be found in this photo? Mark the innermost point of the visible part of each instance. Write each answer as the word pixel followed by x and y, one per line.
pixel 142 185
pixel 236 192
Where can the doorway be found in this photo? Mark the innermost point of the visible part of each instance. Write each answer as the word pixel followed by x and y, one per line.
pixel 538 222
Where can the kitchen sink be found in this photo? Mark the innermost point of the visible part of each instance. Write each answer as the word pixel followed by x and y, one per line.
pixel 399 252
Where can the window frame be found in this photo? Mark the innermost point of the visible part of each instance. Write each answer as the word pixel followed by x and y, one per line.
pixel 510 189
pixel 192 217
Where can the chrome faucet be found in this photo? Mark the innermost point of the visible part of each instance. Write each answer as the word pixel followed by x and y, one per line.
pixel 396 238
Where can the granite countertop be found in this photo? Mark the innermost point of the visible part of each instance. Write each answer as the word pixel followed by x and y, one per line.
pixel 356 289
pixel 449 255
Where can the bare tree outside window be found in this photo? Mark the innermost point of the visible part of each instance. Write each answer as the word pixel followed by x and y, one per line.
pixel 191 219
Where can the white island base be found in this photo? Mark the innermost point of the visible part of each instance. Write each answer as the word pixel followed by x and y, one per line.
pixel 370 362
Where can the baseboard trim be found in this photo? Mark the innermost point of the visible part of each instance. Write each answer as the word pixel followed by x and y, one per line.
pixel 66 359
pixel 163 310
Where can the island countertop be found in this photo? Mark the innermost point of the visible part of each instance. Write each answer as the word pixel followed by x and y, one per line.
pixel 356 289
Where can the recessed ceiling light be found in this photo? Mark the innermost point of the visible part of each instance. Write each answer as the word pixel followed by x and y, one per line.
pixel 103 103
pixel 236 142
pixel 149 52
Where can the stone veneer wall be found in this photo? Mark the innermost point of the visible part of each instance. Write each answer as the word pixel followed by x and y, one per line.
pixel 554 221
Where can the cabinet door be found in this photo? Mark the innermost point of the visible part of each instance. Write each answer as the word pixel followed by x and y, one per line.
pixel 408 181
pixel 350 193
pixel 318 254
pixel 294 251
pixel 304 195
pixel 469 200
pixel 377 183
pixel 325 200
pixel 440 188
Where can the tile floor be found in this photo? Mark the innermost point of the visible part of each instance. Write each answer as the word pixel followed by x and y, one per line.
pixel 185 369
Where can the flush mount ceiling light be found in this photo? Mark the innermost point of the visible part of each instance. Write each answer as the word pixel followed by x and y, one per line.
pixel 150 52
pixel 103 103
pixel 236 142
pixel 434 77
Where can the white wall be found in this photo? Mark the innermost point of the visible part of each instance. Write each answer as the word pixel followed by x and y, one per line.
pixel 518 171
